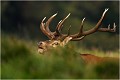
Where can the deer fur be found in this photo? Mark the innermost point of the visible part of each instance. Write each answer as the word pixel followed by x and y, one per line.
pixel 92 59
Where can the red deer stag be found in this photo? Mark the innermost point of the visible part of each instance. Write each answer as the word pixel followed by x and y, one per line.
pixel 57 38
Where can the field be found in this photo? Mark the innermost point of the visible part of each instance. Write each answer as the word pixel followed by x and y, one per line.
pixel 19 59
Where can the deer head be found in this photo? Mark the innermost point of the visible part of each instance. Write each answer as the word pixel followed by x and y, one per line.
pixel 59 39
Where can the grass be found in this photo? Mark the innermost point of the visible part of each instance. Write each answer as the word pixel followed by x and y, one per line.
pixel 20 60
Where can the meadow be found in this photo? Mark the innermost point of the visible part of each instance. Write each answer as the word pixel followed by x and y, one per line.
pixel 20 60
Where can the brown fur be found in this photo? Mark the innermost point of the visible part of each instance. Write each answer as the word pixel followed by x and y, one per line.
pixel 89 58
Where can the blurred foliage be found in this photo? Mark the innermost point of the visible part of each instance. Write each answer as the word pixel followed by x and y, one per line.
pixel 20 60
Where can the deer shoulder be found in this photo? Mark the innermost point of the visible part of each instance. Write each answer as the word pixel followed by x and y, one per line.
pixel 92 59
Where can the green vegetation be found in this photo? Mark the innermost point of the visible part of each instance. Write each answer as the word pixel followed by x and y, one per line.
pixel 21 60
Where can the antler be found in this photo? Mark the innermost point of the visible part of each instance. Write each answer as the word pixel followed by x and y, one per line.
pixel 53 35
pixel 78 36
pixel 82 34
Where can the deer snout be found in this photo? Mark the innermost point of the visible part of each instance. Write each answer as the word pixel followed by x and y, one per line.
pixel 41 47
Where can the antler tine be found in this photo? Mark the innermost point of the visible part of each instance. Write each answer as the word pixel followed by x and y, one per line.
pixel 42 27
pixel 97 25
pixel 81 27
pixel 108 29
pixel 43 19
pixel 59 23
pixel 57 30
pixel 114 27
pixel 78 39
pixel 109 26
pixel 78 35
pixel 63 21
pixel 48 22
pixel 59 26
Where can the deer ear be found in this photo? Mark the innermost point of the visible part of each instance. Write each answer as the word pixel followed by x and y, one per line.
pixel 66 40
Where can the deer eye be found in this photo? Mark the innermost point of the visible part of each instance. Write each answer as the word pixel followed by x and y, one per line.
pixel 56 43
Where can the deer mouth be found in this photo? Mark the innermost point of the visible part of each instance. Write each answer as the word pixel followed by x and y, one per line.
pixel 40 47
